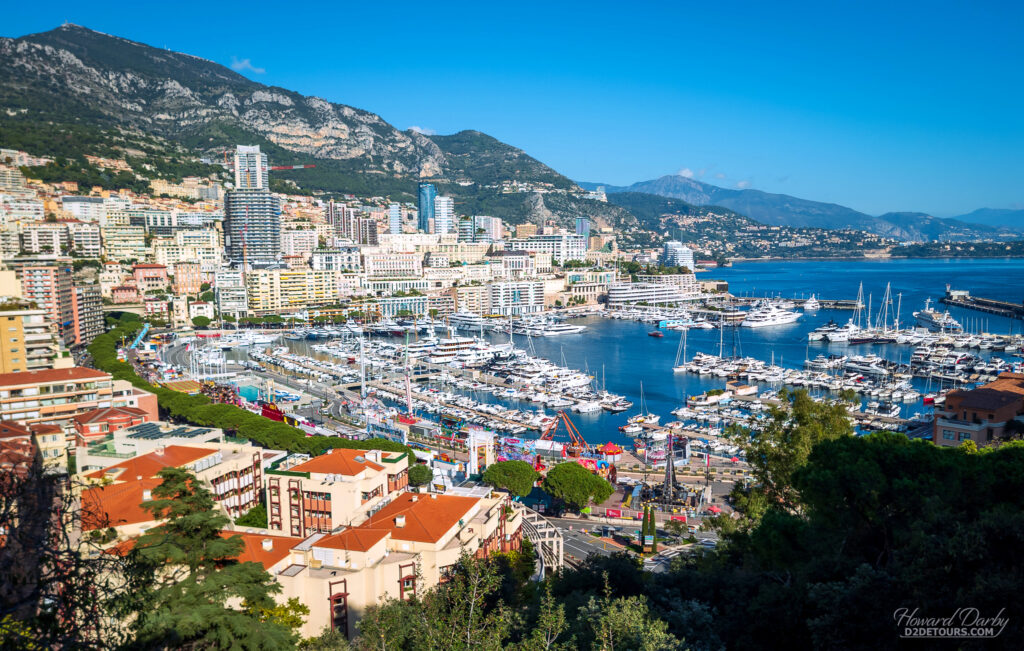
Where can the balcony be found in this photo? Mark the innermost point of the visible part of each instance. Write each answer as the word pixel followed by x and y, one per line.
pixel 965 425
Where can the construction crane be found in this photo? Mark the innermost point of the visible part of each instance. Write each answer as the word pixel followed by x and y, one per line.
pixel 291 167
pixel 576 439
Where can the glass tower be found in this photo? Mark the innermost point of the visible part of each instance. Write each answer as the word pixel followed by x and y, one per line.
pixel 426 206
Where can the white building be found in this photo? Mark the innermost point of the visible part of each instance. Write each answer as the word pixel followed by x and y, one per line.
pixel 251 168
pixel 562 246
pixel 86 209
pixel 393 265
pixel 342 258
pixel 229 289
pixel 200 308
pixel 676 254
pixel 687 283
pixel 299 242
pixel 85 239
pixel 394 219
pixel 444 215
pixel 18 208
pixel 487 229
pixel 516 297
pixel 649 293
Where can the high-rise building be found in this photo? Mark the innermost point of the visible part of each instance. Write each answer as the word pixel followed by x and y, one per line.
pixel 252 215
pixel 50 286
pixel 87 313
pixel 487 229
pixel 366 231
pixel 251 168
pixel 28 339
pixel 426 205
pixel 444 215
pixel 583 227
pixel 394 219
pixel 676 254
pixel 467 233
pixel 229 288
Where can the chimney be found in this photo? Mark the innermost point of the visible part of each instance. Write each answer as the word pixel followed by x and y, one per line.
pixel 268 544
pixel 433 496
pixel 147 495
pixel 399 521
pixel 160 450
pixel 413 498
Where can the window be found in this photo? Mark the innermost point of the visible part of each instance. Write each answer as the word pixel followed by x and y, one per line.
pixel 964 436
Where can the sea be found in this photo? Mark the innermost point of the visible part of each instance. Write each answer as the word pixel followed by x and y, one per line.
pixel 621 356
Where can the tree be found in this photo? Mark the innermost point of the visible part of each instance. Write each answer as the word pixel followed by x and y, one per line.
pixel 254 517
pixel 517 477
pixel 420 474
pixel 548 627
pixel 576 486
pixel 625 623
pixel 784 444
pixel 206 297
pixel 184 573
pixel 200 321
pixel 204 287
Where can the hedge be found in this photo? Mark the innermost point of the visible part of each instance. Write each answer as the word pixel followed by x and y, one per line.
pixel 199 410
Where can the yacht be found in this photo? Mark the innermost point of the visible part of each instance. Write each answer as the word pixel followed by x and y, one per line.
pixel 466 320
pixel 768 314
pixel 936 321
pixel 821 332
pixel 844 333
pixel 555 329
pixel 811 304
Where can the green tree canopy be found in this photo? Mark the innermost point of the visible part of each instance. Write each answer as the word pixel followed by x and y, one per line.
pixel 420 474
pixel 200 321
pixel 576 486
pixel 517 477
pixel 186 573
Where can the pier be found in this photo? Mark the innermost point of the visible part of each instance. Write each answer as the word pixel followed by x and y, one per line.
pixel 963 298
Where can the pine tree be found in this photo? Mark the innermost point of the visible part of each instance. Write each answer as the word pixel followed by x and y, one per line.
pixel 184 573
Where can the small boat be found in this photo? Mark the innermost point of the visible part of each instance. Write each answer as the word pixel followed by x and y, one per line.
pixel 655 333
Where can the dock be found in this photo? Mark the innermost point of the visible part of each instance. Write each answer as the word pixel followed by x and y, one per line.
pixel 963 298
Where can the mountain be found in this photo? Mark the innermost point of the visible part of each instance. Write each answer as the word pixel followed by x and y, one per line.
pixel 785 210
pixel 1005 217
pixel 73 76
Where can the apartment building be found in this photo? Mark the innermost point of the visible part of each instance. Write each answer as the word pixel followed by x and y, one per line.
pixel 53 397
pixel 45 237
pixel 687 283
pixel 87 314
pixel 124 243
pixel 271 291
pixel 96 425
pixel 49 286
pixel 299 242
pixel 516 297
pixel 310 494
pixel 410 545
pixel 649 293
pixel 29 340
pixel 562 246
pixel 229 289
pixel 84 239
pixel 188 278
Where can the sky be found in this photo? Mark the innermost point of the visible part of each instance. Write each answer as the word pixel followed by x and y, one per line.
pixel 906 106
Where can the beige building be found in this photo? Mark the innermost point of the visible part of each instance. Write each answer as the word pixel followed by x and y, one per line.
pixel 306 495
pixel 271 291
pixel 29 341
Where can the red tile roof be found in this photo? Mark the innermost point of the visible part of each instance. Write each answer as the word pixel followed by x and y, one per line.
pixel 427 518
pixel 338 461
pixel 12 429
pixel 115 505
pixel 358 539
pixel 253 551
pixel 51 375
pixel 148 465
pixel 106 413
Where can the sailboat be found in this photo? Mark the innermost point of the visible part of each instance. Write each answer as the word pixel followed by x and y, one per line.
pixel 680 367
pixel 642 417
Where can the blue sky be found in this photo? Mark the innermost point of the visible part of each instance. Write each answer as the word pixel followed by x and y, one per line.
pixel 878 106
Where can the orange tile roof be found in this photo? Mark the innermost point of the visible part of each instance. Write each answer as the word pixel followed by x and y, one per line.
pixel 338 461
pixel 427 518
pixel 148 465
pixel 358 539
pixel 114 505
pixel 51 375
pixel 253 551
pixel 104 413
pixel 13 429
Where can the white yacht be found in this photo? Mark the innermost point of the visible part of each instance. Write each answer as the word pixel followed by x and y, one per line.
pixel 811 304
pixel 466 320
pixel 554 329
pixel 844 333
pixel 768 314
pixel 936 321
pixel 823 331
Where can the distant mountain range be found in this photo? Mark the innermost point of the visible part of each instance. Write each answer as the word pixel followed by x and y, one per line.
pixel 76 76
pixel 784 210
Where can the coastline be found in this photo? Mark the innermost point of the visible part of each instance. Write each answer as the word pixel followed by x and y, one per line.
pixel 874 258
